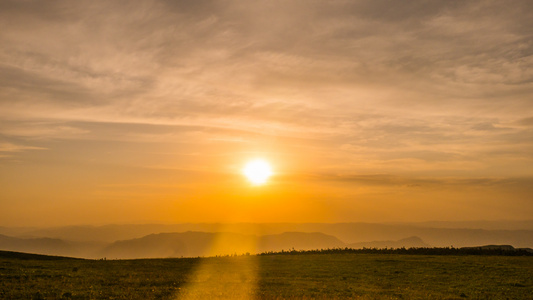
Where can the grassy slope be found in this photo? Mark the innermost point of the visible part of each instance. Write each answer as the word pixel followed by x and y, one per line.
pixel 320 276
pixel 31 256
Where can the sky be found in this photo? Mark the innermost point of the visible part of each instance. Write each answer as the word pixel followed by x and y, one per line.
pixel 368 111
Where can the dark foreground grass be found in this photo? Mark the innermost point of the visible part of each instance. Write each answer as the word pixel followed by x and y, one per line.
pixel 315 276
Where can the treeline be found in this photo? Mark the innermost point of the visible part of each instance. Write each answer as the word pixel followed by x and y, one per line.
pixel 412 251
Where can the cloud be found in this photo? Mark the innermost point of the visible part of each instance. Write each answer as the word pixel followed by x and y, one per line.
pixel 188 58
pixel 41 130
pixel 526 122
pixel 414 96
pixel 387 83
pixel 522 183
pixel 9 147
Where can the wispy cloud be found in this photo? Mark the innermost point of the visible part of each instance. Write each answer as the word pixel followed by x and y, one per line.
pixel 282 67
pixel 9 147
pixel 425 88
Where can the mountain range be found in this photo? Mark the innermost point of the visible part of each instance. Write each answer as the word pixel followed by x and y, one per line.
pixel 189 240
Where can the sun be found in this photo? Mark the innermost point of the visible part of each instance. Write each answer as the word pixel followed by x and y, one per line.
pixel 257 171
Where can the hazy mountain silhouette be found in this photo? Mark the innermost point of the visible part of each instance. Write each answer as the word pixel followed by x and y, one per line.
pixel 298 241
pixel 494 247
pixel 443 234
pixel 410 242
pixel 112 233
pixel 436 237
pixel 191 243
pixel 45 245
pixel 488 225
pixel 500 247
pixel 133 241
pixel 154 245
pixel 16 231
pixel 184 244
pixel 48 246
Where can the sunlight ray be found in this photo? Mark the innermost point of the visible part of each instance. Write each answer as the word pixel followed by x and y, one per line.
pixel 233 276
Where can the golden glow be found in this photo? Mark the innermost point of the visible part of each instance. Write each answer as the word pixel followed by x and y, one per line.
pixel 257 171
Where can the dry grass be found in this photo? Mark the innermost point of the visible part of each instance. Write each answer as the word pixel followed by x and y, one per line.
pixel 321 276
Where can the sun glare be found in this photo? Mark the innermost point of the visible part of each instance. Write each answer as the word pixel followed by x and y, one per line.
pixel 257 171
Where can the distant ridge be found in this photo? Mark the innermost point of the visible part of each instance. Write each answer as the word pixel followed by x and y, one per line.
pixel 49 246
pixel 493 247
pixel 185 244
pixel 499 247
pixel 187 240
pixel 193 243
pixel 436 234
pixel 299 241
pixel 410 242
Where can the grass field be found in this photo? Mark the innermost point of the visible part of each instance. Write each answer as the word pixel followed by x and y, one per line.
pixel 316 276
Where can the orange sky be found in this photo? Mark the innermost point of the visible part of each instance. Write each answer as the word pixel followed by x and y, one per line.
pixel 374 111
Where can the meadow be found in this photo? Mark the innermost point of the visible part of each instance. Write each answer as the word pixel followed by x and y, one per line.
pixel 282 276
